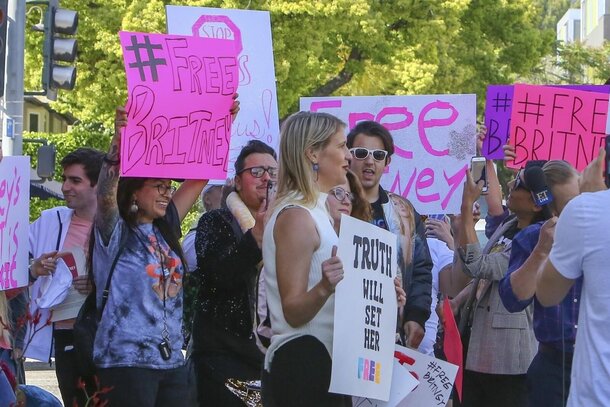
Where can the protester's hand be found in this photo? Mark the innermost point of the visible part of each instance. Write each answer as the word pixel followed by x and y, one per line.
pixel 592 179
pixel 82 284
pixel 472 191
pixel 440 309
pixel 234 107
pixel 401 295
pixel 547 235
pixel 120 120
pixel 44 265
pixel 476 212
pixel 259 223
pixel 482 132
pixel 332 271
pixel 509 152
pixel 440 230
pixel 414 333
pixel 455 223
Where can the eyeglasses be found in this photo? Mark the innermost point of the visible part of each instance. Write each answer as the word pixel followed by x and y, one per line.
pixel 362 153
pixel 340 194
pixel 257 172
pixel 519 183
pixel 164 189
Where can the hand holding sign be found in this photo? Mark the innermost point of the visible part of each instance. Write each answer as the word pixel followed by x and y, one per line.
pixel 332 271
pixel 234 107
pixel 509 152
pixel 592 179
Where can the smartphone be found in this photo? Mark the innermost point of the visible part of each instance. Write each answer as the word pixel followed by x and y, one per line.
pixel 478 171
pixel 270 193
pixel 607 169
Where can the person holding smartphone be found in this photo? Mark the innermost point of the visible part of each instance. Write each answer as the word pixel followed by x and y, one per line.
pixel 228 246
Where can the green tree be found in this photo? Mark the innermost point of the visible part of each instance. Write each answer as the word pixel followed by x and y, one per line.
pixel 325 47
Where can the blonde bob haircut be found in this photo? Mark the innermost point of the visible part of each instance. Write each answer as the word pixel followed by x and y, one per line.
pixel 301 133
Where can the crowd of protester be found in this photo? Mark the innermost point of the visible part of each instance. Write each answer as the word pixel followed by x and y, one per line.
pixel 263 257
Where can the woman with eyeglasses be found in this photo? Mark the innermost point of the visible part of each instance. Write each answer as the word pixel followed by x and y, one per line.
pixel 348 199
pixel 135 251
pixel 228 246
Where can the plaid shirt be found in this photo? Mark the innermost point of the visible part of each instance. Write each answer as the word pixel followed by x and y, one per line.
pixel 554 326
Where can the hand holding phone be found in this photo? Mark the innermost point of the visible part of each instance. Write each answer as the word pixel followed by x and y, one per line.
pixel 270 193
pixel 478 170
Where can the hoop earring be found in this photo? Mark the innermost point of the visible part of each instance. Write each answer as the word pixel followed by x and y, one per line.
pixel 316 168
pixel 134 207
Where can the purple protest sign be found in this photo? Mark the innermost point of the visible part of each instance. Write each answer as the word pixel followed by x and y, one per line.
pixel 498 108
pixel 498 105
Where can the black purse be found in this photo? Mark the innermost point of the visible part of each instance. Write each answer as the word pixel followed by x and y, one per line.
pixel 85 326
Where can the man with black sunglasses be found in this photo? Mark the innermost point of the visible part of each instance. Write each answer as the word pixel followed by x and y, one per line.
pixel 372 147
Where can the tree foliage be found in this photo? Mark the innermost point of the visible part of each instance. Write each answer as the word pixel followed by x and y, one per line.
pixel 342 47
pixel 325 47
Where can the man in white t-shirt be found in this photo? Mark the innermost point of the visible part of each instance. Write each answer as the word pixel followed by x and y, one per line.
pixel 582 248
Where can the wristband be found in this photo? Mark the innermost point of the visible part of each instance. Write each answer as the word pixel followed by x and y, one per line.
pixel 31 277
pixel 108 160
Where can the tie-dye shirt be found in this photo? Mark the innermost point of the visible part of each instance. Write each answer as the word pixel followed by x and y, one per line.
pixel 131 328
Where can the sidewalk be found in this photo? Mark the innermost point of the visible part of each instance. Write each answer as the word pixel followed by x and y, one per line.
pixel 42 374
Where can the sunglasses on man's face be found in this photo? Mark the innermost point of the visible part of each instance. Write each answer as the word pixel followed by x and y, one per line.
pixel 362 153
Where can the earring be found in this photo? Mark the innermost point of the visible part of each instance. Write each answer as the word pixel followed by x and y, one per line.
pixel 316 168
pixel 134 207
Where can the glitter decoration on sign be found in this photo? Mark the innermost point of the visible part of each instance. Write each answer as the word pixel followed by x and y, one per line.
pixel 462 144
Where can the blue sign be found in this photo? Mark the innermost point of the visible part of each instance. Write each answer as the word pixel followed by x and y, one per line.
pixel 10 128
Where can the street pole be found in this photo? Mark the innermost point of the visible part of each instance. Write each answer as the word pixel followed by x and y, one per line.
pixel 13 88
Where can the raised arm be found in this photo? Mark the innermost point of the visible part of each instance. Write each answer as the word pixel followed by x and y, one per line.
pixel 107 209
pixel 494 191
pixel 186 196
pixel 467 234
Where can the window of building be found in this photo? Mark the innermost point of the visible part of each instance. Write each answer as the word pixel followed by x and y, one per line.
pixel 34 122
pixel 590 11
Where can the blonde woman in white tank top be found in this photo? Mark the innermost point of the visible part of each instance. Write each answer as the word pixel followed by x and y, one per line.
pixel 301 266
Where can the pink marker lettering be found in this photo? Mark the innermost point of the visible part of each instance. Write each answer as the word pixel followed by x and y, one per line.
pixel 423 124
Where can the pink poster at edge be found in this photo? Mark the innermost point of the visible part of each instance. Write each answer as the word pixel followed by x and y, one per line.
pixel 549 123
pixel 180 92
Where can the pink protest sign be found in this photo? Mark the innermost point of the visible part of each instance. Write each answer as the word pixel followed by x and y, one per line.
pixel 549 123
pixel 14 221
pixel 498 109
pixel 180 92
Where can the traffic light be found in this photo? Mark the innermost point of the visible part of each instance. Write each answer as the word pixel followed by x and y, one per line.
pixel 60 24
